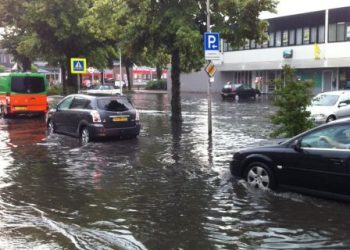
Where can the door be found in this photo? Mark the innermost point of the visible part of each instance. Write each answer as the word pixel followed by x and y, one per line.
pixel 320 164
pixel 343 106
pixel 327 77
pixel 59 118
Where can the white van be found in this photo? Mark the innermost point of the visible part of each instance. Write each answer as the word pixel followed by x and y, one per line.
pixel 329 106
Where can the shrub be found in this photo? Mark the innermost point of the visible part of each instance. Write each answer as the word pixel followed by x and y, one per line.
pixel 55 89
pixel 156 85
pixel 292 98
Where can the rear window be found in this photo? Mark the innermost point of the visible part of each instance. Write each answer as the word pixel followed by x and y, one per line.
pixel 28 84
pixel 114 104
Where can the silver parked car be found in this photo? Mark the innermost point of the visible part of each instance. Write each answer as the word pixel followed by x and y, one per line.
pixel 329 106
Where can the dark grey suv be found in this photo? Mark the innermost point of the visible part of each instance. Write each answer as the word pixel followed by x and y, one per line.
pixel 89 117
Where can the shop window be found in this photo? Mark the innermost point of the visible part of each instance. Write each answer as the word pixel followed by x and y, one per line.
pixel 332 33
pixel 313 36
pixel 299 36
pixel 340 32
pixel 278 39
pixel 320 34
pixel 247 44
pixel 272 40
pixel 291 37
pixel 265 44
pixel 347 31
pixel 285 38
pixel 306 35
pixel 252 44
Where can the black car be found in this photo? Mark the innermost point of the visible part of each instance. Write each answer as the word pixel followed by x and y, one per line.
pixel 316 162
pixel 89 117
pixel 243 91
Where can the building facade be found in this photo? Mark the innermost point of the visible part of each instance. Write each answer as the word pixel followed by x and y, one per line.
pixel 316 44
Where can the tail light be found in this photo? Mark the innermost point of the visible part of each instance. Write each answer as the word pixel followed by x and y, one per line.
pixel 137 116
pixel 95 116
pixel 8 98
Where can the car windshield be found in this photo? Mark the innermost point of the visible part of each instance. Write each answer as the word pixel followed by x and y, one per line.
pixel 114 104
pixel 325 100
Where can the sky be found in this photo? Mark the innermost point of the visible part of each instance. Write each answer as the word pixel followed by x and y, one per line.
pixel 290 7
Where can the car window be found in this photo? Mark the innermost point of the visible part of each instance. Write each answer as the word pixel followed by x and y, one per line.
pixel 325 100
pixel 64 105
pixel 114 104
pixel 331 137
pixel 80 103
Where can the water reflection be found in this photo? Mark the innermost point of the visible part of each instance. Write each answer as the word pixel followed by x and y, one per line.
pixel 168 189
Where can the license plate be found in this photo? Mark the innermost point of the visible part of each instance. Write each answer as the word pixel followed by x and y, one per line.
pixel 20 108
pixel 120 119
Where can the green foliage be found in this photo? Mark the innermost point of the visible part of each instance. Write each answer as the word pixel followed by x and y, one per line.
pixel 55 90
pixel 34 68
pixel 292 98
pixel 156 85
pixel 2 68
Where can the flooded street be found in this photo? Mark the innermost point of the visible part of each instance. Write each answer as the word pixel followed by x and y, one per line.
pixel 168 189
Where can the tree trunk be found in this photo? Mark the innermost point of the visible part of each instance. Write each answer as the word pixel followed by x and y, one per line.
pixel 175 89
pixel 159 72
pixel 72 80
pixel 26 64
pixel 128 76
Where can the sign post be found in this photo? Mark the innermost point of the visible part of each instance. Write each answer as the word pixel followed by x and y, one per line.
pixel 211 48
pixel 78 66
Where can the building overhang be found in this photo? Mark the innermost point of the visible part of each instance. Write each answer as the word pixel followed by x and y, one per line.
pixel 277 65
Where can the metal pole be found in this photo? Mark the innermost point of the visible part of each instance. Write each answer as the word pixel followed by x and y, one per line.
pixel 209 83
pixel 120 71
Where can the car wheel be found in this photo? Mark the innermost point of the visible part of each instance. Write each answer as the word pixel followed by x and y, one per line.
pixel 259 175
pixel 50 127
pixel 85 135
pixel 331 118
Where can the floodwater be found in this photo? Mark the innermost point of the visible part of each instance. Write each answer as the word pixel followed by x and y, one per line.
pixel 168 189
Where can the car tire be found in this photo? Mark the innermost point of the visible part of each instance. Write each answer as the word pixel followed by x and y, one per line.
pixel 330 118
pixel 85 135
pixel 260 176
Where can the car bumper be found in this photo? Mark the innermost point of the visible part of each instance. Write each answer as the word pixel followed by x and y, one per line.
pixel 98 130
pixel 235 168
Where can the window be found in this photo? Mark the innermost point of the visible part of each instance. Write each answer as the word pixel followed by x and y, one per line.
pixel 272 40
pixel 313 37
pixel 306 35
pixel 321 34
pixel 64 105
pixel 285 38
pixel 80 103
pixel 332 33
pixel 336 137
pixel 28 84
pixel 252 44
pixel 340 32
pixel 278 39
pixel 291 37
pixel 347 31
pixel 114 104
pixel 299 36
pixel 247 43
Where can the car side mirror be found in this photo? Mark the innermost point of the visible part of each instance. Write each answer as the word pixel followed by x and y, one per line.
pixel 342 104
pixel 297 145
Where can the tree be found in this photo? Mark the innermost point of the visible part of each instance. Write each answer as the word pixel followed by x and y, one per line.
pixel 177 27
pixel 292 98
pixel 52 31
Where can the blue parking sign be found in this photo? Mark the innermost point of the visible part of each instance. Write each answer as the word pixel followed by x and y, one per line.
pixel 211 41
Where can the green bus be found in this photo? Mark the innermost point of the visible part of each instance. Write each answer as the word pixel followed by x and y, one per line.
pixel 23 93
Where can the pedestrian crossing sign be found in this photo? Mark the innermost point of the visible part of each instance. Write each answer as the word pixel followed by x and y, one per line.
pixel 78 65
